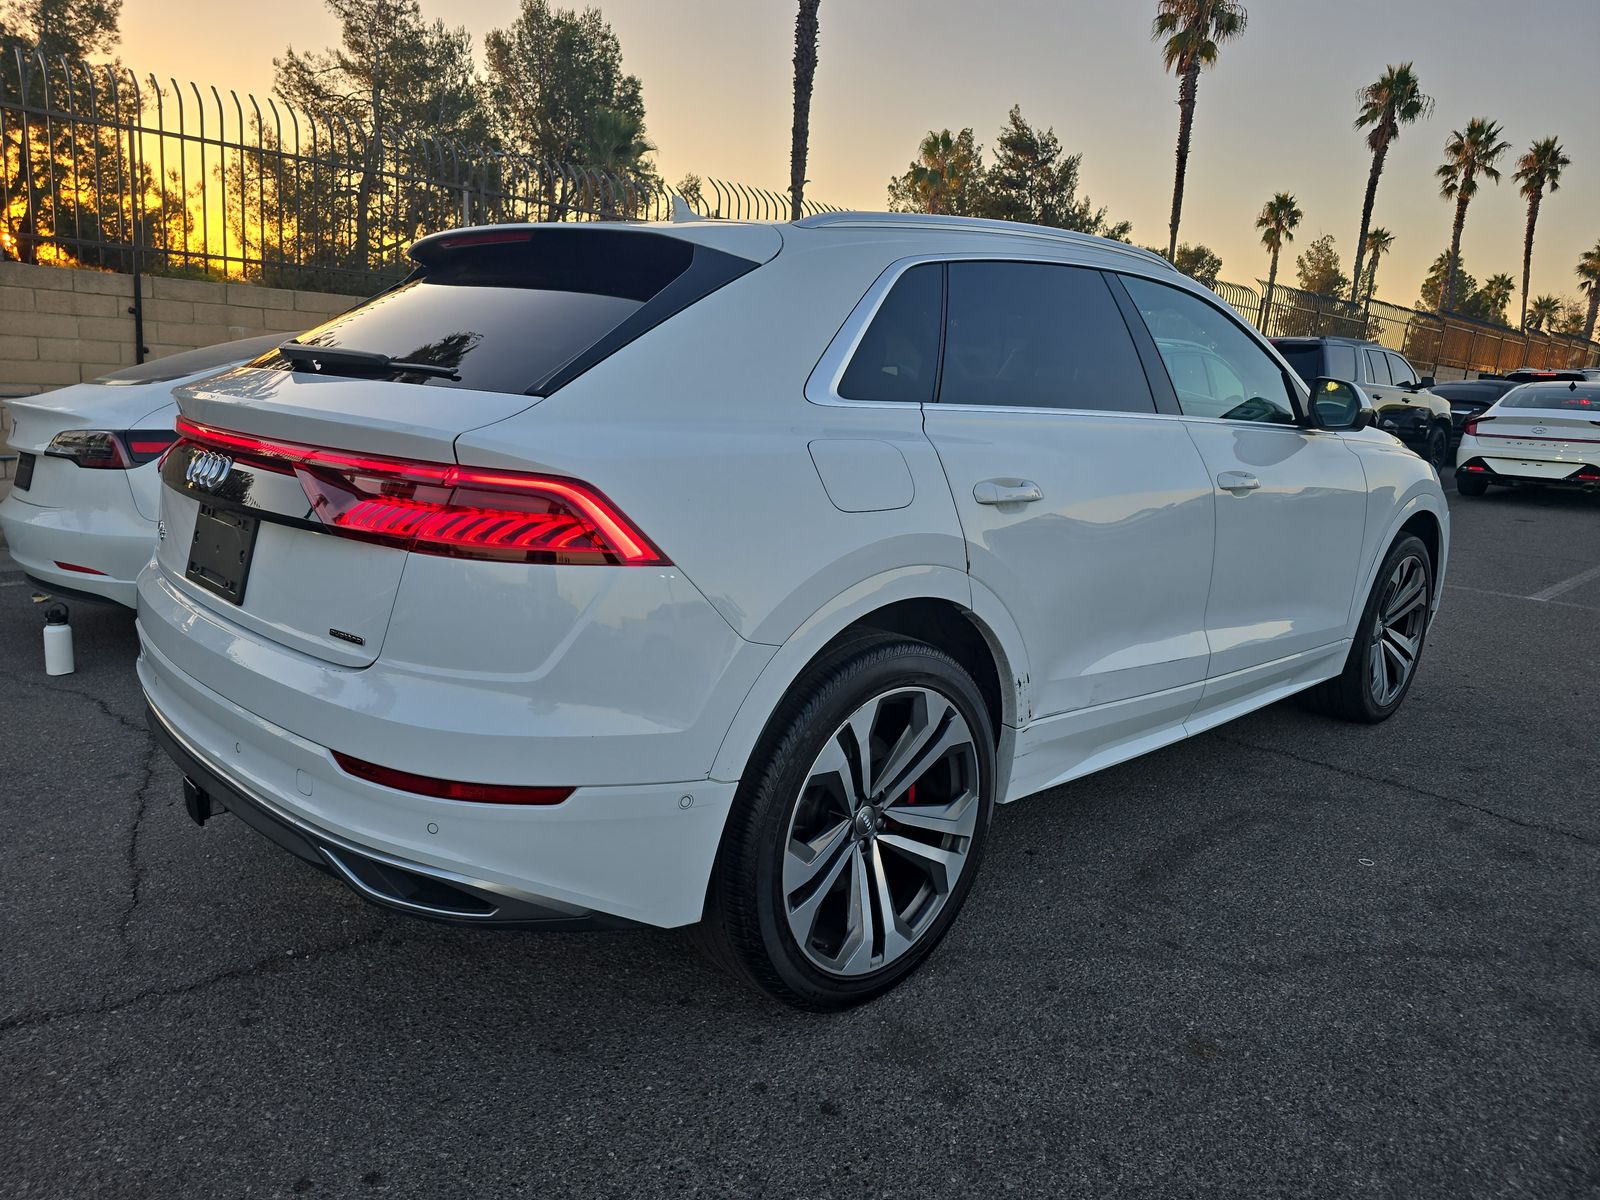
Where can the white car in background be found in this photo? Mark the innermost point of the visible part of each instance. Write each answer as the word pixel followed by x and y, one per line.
pixel 731 574
pixel 81 516
pixel 1537 433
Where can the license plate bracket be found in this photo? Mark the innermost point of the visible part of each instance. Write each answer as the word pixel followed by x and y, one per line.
pixel 24 479
pixel 219 556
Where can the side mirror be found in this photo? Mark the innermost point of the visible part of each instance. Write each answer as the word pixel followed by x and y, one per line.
pixel 1338 406
pixel 1427 381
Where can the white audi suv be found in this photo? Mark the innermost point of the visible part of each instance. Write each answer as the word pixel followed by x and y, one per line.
pixel 730 574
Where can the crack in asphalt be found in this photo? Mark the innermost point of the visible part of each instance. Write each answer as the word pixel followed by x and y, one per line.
pixel 141 805
pixel 274 964
pixel 1403 786
pixel 95 702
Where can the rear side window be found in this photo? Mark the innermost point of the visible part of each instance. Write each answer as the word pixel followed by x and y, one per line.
pixel 1036 335
pixel 1306 360
pixel 898 357
pixel 1341 364
pixel 519 310
pixel 1378 366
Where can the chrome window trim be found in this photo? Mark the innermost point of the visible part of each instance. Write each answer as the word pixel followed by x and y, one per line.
pixel 822 385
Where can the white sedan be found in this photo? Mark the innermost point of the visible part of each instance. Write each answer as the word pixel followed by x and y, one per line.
pixel 733 574
pixel 1539 433
pixel 81 516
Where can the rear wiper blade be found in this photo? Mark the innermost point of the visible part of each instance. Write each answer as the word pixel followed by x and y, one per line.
pixel 361 360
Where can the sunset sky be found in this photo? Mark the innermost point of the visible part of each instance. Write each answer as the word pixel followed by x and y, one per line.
pixel 1275 114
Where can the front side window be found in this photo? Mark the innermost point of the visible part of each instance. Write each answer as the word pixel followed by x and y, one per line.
pixel 1038 335
pixel 1237 379
pixel 1404 376
pixel 898 357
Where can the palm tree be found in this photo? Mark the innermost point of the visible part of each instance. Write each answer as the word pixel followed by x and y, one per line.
pixel 1277 222
pixel 945 168
pixel 805 72
pixel 1468 154
pixel 1379 242
pixel 1536 170
pixel 1394 100
pixel 1589 273
pixel 614 146
pixel 1496 292
pixel 1543 312
pixel 1192 29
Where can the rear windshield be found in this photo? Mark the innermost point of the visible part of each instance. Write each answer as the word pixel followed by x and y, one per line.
pixel 517 310
pixel 1304 357
pixel 193 362
pixel 1576 397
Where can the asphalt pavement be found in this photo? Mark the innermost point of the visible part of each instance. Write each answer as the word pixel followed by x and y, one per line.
pixel 1291 957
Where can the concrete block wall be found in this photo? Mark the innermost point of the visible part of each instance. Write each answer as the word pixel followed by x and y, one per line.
pixel 61 325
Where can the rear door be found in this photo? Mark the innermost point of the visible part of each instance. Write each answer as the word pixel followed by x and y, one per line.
pixel 1087 513
pixel 1290 502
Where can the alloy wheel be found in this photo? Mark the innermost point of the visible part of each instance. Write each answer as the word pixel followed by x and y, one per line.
pixel 881 831
pixel 1398 626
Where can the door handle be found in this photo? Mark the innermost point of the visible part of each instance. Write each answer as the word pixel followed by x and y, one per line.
pixel 1007 491
pixel 1237 481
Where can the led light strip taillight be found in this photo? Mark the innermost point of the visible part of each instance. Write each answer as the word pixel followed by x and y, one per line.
pixel 443 508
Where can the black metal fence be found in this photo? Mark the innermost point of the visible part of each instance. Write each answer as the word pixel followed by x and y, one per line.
pixel 99 167
pixel 1447 345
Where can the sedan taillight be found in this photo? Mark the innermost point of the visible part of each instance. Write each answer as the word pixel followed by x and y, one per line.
pixel 110 450
pixel 444 509
pixel 1469 427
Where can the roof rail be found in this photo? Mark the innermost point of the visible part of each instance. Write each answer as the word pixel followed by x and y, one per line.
pixel 867 220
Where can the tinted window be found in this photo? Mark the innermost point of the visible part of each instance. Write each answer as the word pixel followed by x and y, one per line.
pixel 1378 367
pixel 1241 381
pixel 1306 359
pixel 506 311
pixel 1341 363
pixel 899 355
pixel 1404 376
pixel 1034 335
pixel 192 362
pixel 1570 397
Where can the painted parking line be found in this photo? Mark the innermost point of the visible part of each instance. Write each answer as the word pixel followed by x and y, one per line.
pixel 1566 585
pixel 1461 587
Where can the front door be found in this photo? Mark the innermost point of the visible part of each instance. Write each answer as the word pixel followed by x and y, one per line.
pixel 1290 502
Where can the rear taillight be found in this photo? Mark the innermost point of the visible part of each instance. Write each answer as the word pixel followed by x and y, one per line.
pixel 92 449
pixel 449 789
pixel 1469 427
pixel 111 450
pixel 441 508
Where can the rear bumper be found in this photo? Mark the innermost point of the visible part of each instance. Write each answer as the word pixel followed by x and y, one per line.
pixel 606 856
pixel 384 879
pixel 1508 473
pixel 117 545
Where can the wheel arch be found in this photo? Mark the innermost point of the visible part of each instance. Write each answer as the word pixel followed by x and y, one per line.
pixel 1423 513
pixel 936 605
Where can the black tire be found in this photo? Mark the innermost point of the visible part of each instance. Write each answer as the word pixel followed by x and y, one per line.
pixel 1471 485
pixel 1352 695
pixel 1437 448
pixel 747 925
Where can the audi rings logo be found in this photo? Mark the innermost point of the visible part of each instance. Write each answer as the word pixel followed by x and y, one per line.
pixel 207 469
